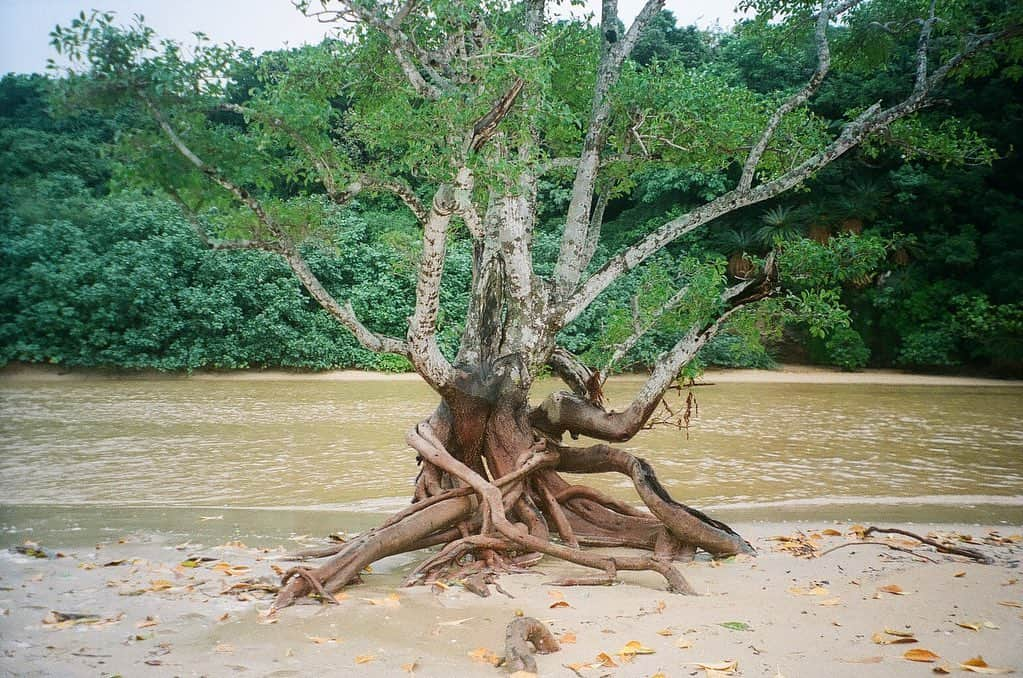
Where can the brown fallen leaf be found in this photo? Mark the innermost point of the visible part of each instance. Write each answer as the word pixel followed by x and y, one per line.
pixel 632 648
pixel 484 656
pixel 865 660
pixel 961 573
pixel 973 626
pixel 978 665
pixel 559 603
pixel 919 654
pixel 160 585
pixel 411 667
pixel 944 669
pixel 727 665
pixel 684 643
pixel 364 658
pixel 567 638
pixel 830 602
pixel 898 632
pixel 604 659
pixel 811 591
pixel 392 600
pixel 831 533
pixel 881 639
pixel 665 632
pixel 224 617
pixel 894 589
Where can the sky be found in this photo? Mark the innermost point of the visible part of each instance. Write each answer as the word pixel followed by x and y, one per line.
pixel 260 24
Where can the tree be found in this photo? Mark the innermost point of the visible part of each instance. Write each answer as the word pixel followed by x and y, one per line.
pixel 460 111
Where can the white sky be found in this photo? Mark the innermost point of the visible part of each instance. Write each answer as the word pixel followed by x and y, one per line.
pixel 260 24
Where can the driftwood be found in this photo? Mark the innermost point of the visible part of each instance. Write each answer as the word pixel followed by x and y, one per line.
pixel 522 634
pixel 938 546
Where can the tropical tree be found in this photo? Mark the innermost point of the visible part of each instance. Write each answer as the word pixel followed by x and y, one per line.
pixel 460 110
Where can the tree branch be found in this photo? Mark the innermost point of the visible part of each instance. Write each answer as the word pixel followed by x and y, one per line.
pixel 344 314
pixel 614 51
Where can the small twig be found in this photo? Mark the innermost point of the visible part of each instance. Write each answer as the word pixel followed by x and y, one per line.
pixel 941 548
pixel 877 543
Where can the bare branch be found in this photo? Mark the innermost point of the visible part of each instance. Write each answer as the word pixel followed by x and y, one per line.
pixel 623 347
pixel 614 51
pixel 282 245
pixel 800 97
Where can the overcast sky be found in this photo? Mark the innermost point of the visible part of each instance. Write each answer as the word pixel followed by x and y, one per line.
pixel 260 24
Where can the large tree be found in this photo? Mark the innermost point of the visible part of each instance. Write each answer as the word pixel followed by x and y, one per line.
pixel 465 111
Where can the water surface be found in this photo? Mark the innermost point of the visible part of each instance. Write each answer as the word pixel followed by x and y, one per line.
pixel 755 451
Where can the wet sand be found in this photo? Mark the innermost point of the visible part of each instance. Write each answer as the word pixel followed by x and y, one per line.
pixel 776 614
pixel 785 374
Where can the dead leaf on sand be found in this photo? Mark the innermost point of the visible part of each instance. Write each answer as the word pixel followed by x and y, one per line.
pixel 392 600
pixel 919 654
pixel 978 665
pixel 865 660
pixel 715 669
pixel 411 667
pixel 224 648
pixel 633 648
pixel 365 658
pixel 893 589
pixel 320 640
pixel 808 591
pixel 559 603
pixel 881 639
pixel 665 632
pixel 484 656
pixel 567 638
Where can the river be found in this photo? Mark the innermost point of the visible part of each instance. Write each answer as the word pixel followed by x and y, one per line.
pixel 278 456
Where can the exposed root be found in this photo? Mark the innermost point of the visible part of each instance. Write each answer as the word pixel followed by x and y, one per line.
pixel 307 575
pixel 523 637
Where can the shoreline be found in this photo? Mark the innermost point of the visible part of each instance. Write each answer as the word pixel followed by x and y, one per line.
pixel 784 374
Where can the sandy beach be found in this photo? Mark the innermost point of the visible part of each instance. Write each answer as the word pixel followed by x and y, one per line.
pixel 158 608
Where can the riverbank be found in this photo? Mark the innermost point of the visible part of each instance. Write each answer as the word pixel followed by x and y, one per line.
pixel 784 374
pixel 158 607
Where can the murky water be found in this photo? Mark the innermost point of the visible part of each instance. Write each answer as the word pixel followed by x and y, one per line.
pixel 756 451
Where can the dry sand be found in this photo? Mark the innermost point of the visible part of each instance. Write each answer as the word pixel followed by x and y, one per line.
pixel 776 614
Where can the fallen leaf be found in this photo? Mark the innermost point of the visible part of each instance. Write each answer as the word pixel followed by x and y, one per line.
pixel 865 660
pixel 320 640
pixel 830 602
pixel 392 600
pixel 223 617
pixel 735 625
pixel 411 667
pixel 484 656
pixel 812 591
pixel 604 659
pixel 567 638
pixel 559 603
pixel 146 623
pixel 160 585
pixel 231 570
pixel 455 622
pixel 665 632
pixel 959 574
pixel 973 626
pixel 880 639
pixel 225 648
pixel 989 625
pixel 978 665
pixel 684 643
pixel 831 533
pixel 661 605
pixel 894 589
pixel 944 669
pixel 918 654
pixel 726 667
pixel 634 647
pixel 364 658
pixel 899 633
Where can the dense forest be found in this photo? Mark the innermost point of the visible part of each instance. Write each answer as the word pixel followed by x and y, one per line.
pixel 921 232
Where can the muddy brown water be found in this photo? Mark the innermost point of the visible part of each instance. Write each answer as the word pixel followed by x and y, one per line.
pixel 278 457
